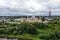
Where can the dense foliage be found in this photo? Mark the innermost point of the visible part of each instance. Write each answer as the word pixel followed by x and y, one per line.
pixel 32 30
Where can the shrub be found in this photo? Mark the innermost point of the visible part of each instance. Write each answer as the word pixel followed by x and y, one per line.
pixel 27 29
pixel 2 31
pixel 40 25
pixel 54 35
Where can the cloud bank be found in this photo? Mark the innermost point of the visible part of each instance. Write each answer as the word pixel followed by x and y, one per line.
pixel 30 6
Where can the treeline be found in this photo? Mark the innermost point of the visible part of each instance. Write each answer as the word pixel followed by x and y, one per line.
pixel 33 30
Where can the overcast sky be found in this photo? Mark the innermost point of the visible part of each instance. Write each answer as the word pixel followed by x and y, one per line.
pixel 29 7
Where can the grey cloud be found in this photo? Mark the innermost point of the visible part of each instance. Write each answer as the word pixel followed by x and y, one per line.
pixel 29 7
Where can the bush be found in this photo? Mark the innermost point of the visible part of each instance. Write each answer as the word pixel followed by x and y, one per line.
pixel 54 35
pixel 2 31
pixel 27 29
pixel 40 25
pixel 24 39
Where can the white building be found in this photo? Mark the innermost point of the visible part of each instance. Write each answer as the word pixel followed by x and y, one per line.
pixel 32 19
